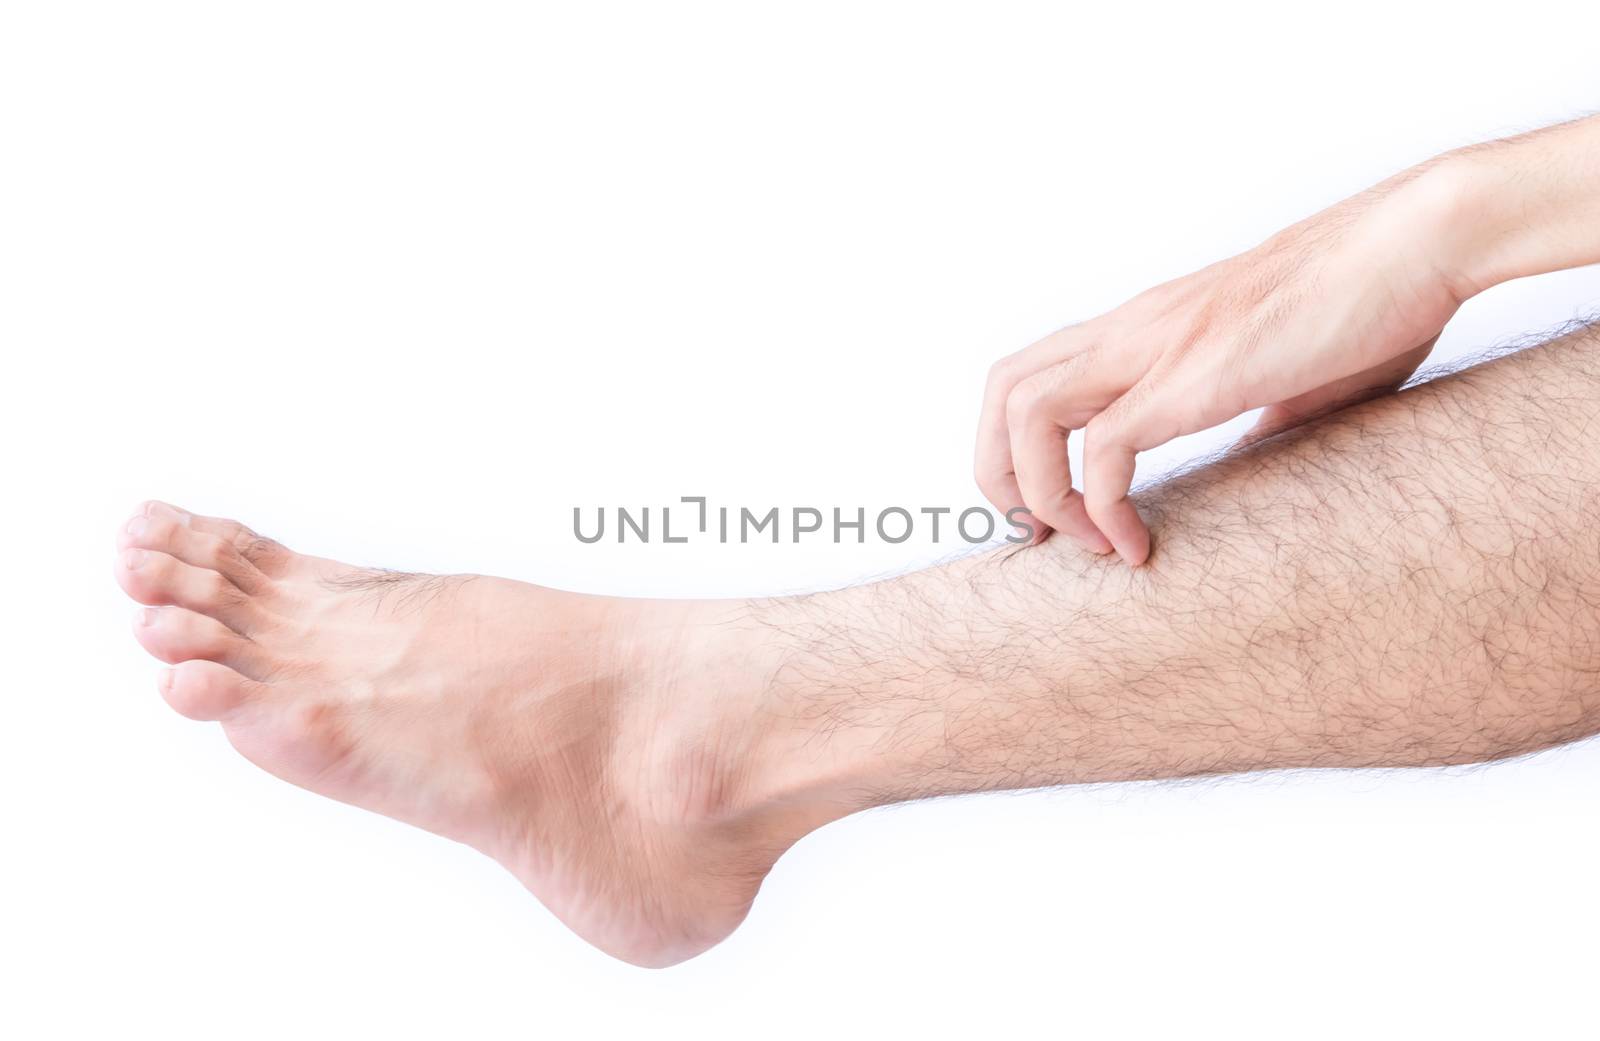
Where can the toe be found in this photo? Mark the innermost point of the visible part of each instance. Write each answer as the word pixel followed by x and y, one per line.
pixel 159 579
pixel 176 635
pixel 171 533
pixel 207 690
pixel 265 555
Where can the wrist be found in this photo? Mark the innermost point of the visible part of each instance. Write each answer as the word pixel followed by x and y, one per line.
pixel 1522 206
pixel 1487 246
pixel 1465 238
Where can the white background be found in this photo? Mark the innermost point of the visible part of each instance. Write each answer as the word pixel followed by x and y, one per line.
pixel 403 283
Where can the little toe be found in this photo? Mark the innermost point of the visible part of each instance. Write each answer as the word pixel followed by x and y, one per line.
pixel 171 533
pixel 159 579
pixel 266 555
pixel 206 690
pixel 174 635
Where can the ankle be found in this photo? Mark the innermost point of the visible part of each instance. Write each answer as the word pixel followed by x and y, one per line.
pixel 690 747
pixel 728 738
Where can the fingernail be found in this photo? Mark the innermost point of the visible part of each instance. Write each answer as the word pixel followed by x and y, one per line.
pixel 147 616
pixel 138 526
pixel 133 559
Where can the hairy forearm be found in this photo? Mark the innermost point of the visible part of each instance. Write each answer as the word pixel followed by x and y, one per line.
pixel 1413 581
pixel 1528 204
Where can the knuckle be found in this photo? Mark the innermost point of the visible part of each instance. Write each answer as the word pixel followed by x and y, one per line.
pixel 162 568
pixel 1062 498
pixel 235 536
pixel 1017 406
pixel 1051 510
pixel 158 533
pixel 252 547
pixel 1002 371
pixel 1109 427
pixel 220 591
pixel 307 722
pixel 1098 504
pixel 1099 433
pixel 206 551
pixel 209 640
pixel 222 555
pixel 317 729
pixel 1025 402
pixel 1090 357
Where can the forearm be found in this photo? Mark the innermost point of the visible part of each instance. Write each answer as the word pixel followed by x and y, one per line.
pixel 1528 204
pixel 1414 581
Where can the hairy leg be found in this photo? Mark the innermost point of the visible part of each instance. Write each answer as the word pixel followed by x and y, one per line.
pixel 1412 581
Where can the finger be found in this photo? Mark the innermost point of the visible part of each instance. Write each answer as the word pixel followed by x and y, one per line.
pixel 1044 478
pixel 992 460
pixel 1376 381
pixel 1148 415
pixel 1040 415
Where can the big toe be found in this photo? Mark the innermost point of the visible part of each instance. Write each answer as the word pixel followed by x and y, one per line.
pixel 207 690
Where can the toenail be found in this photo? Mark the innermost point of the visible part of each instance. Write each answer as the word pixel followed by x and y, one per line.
pixel 133 559
pixel 138 526
pixel 147 616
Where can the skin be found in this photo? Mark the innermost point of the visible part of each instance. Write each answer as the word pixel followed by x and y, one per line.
pixel 1412 581
pixel 1340 307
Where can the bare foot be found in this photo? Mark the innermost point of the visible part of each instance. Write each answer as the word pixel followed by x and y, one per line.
pixel 608 752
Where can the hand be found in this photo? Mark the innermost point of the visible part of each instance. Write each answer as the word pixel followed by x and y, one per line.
pixel 1339 307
